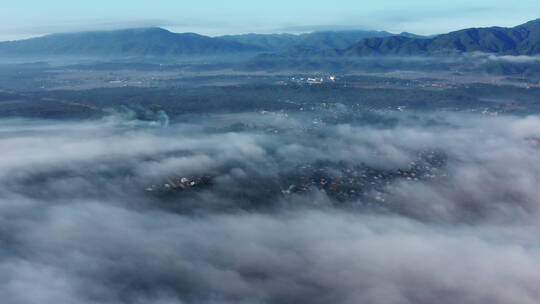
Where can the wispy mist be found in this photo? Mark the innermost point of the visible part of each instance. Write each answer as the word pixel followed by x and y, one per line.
pixel 79 224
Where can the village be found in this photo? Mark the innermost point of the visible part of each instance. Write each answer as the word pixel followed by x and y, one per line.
pixel 340 181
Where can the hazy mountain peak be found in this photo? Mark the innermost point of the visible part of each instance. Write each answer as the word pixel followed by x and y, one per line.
pixel 531 25
pixel 520 40
pixel 153 41
pixel 141 30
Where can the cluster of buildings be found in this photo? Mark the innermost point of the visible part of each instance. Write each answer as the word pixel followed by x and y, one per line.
pixel 313 79
pixel 341 181
pixel 346 183
pixel 177 184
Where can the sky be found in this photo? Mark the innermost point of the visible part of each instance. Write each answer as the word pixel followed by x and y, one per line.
pixel 28 18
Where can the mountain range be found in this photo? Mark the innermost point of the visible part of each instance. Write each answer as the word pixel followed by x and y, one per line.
pixel 520 40
pixel 316 40
pixel 128 42
pixel 160 42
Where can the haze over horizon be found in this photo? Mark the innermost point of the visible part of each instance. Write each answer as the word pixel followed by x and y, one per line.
pixel 215 18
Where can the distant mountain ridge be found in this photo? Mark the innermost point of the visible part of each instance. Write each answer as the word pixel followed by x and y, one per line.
pixel 160 42
pixel 520 40
pixel 316 40
pixel 136 42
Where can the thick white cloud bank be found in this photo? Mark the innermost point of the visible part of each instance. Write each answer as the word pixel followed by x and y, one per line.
pixel 75 226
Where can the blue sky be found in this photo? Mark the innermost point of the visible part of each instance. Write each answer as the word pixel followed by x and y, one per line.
pixel 28 18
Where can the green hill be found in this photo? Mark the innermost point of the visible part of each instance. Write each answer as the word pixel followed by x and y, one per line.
pixel 130 42
pixel 316 41
pixel 520 40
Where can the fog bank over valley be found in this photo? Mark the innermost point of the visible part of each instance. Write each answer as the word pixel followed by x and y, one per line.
pixel 270 209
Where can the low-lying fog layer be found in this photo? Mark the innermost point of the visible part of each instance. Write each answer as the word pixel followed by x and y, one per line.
pixel 393 208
